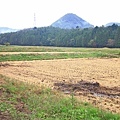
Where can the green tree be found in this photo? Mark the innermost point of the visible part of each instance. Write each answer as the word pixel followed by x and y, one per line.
pixel 92 43
pixel 110 43
pixel 117 38
pixel 6 43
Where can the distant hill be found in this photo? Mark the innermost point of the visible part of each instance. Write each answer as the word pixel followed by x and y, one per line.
pixel 52 36
pixel 111 23
pixel 70 21
pixel 7 30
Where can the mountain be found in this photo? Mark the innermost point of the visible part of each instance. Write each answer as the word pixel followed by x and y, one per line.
pixel 111 23
pixel 70 21
pixel 7 30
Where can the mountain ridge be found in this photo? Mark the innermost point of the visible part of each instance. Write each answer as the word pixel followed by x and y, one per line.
pixel 7 30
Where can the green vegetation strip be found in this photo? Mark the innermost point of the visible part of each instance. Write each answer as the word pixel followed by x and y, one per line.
pixel 48 56
pixel 20 101
pixel 75 53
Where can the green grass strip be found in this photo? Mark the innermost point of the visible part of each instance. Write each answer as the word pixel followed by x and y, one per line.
pixel 48 56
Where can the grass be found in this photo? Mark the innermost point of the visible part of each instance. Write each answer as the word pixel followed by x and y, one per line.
pixel 29 49
pixel 20 101
pixel 78 53
pixel 13 48
pixel 48 56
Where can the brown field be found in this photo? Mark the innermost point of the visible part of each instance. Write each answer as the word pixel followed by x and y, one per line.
pixel 92 80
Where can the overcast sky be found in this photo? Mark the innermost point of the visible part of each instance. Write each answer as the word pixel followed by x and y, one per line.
pixel 19 14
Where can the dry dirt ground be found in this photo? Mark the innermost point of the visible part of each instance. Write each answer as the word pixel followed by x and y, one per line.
pixel 92 80
pixel 15 53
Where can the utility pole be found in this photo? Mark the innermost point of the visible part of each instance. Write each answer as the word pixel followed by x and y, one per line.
pixel 35 21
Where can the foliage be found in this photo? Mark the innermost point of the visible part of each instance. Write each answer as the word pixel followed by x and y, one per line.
pixel 21 101
pixel 6 43
pixel 50 36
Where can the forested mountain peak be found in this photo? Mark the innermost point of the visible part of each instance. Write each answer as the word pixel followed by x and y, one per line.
pixel 70 20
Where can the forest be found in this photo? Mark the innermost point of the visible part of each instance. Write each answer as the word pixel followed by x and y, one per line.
pixel 97 37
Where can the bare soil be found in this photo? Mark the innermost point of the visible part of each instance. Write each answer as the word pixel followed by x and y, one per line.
pixel 16 53
pixel 91 80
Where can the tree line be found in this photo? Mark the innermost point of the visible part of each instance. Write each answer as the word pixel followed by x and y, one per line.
pixel 50 36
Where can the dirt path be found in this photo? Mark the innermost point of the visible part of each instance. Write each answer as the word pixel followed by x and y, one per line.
pixel 93 80
pixel 15 53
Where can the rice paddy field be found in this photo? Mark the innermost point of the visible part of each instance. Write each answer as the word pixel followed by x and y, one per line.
pixel 89 75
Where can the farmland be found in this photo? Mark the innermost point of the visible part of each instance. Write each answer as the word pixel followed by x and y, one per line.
pixel 90 75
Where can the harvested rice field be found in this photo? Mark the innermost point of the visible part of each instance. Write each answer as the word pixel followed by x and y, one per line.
pixel 93 80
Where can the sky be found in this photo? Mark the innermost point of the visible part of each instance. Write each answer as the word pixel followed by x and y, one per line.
pixel 19 14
